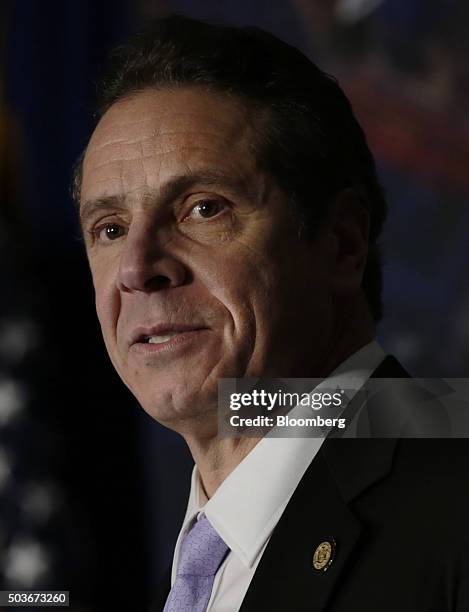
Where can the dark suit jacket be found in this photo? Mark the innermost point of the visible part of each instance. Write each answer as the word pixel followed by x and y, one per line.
pixel 398 511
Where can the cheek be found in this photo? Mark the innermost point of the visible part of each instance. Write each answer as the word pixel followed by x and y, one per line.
pixel 107 304
pixel 237 280
pixel 244 287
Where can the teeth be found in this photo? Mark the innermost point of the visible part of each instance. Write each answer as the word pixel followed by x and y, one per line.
pixel 160 339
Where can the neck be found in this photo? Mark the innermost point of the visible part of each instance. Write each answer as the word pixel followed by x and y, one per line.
pixel 352 331
pixel 216 458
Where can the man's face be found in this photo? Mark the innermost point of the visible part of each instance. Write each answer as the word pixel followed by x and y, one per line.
pixel 198 270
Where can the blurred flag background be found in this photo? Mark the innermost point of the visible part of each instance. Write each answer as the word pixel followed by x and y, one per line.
pixel 91 490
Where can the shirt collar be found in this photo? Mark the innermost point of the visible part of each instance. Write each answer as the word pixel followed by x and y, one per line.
pixel 248 504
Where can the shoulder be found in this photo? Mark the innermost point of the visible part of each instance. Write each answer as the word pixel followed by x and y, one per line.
pixel 425 495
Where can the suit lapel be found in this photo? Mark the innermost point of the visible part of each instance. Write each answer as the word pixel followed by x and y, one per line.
pixel 285 578
pixel 318 511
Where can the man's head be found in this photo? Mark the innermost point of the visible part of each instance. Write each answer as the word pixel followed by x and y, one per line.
pixel 229 200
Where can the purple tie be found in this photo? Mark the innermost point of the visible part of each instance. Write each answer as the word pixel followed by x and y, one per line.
pixel 201 554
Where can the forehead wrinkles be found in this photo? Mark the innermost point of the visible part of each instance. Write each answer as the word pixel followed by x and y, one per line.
pixel 116 130
pixel 129 149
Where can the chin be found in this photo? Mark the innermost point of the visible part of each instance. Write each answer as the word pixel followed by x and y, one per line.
pixel 175 407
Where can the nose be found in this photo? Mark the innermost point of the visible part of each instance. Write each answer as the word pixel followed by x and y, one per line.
pixel 146 263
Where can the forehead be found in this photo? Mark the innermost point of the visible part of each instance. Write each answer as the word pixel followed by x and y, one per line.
pixel 142 140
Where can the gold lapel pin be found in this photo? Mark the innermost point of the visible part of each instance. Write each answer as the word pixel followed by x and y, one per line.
pixel 324 555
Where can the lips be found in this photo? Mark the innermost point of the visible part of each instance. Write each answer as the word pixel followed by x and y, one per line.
pixel 161 333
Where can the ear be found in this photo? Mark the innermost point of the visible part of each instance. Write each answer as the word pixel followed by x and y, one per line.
pixel 348 224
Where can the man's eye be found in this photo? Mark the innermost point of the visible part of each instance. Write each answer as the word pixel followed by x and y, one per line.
pixel 207 209
pixel 110 231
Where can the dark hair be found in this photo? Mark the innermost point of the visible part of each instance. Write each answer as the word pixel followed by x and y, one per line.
pixel 309 138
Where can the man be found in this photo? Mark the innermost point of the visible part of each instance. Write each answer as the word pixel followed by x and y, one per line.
pixel 231 212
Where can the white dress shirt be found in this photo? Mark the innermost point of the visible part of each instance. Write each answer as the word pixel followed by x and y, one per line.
pixel 250 501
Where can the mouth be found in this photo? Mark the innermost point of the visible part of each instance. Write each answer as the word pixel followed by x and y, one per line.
pixel 160 338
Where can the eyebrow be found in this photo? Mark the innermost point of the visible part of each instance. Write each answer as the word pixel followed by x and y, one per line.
pixel 168 192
